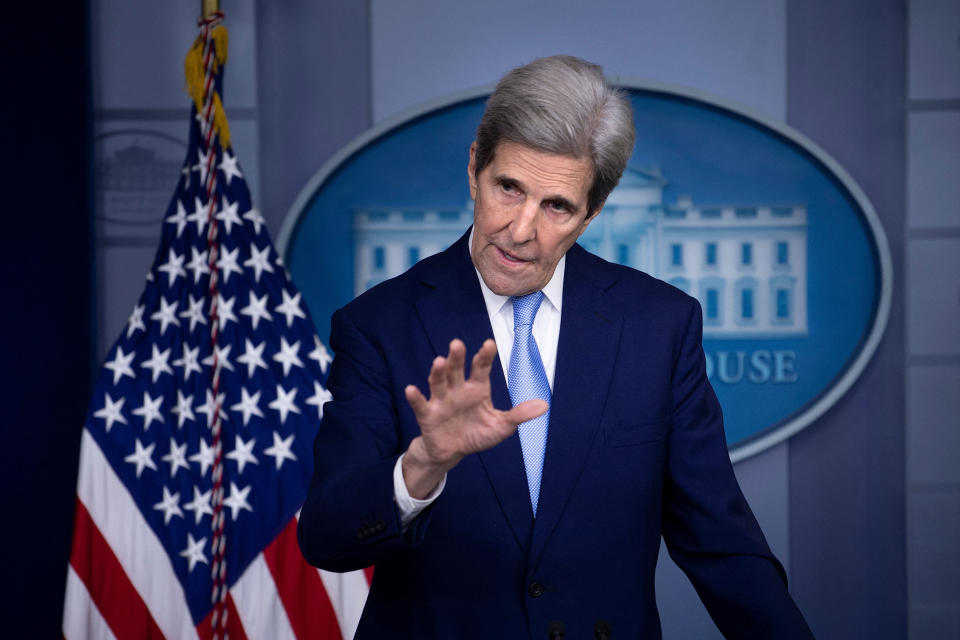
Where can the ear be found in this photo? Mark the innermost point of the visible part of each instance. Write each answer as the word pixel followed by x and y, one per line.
pixel 590 218
pixel 471 170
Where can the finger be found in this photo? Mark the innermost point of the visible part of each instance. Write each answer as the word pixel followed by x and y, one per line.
pixel 438 378
pixel 455 361
pixel 527 410
pixel 483 362
pixel 416 401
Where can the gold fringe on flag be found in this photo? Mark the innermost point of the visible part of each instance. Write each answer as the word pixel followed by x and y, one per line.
pixel 194 72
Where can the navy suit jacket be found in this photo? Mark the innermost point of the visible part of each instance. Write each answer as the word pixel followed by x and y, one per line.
pixel 635 451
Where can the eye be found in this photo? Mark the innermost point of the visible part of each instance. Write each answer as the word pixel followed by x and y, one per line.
pixel 508 186
pixel 558 206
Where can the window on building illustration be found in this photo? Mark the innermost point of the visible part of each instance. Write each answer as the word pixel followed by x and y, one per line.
pixel 379 258
pixel 713 305
pixel 448 215
pixel 623 254
pixel 378 216
pixel 781 212
pixel 746 303
pixel 711 212
pixel 413 216
pixel 413 255
pixel 783 254
pixel 746 212
pixel 783 305
pixel 746 254
pixel 711 254
pixel 676 255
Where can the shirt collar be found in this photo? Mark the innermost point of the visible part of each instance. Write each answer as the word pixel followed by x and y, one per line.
pixel 553 291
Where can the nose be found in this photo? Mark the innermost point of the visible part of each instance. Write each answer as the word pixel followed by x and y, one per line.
pixel 523 227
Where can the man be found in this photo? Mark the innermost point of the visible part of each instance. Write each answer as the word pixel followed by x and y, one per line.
pixel 481 529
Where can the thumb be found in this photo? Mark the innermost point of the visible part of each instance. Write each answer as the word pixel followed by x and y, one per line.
pixel 527 410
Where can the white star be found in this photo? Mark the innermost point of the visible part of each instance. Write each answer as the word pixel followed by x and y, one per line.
pixel 195 312
pixel 290 307
pixel 198 264
pixel 204 458
pixel 288 355
pixel 249 405
pixel 228 263
pixel 111 411
pixel 199 215
pixel 135 321
pixel 120 365
pixel 149 276
pixel 254 216
pixel 158 363
pixel 177 457
pixel 208 409
pixel 179 218
pixel 149 410
pixel 229 167
pixel 237 500
pixel 252 357
pixel 203 164
pixel 223 357
pixel 170 505
pixel 257 309
pixel 225 310
pixel 228 214
pixel 184 409
pixel 194 551
pixel 141 456
pixel 167 315
pixel 319 398
pixel 188 361
pixel 259 261
pixel 173 267
pixel 284 403
pixel 242 453
pixel 320 354
pixel 281 449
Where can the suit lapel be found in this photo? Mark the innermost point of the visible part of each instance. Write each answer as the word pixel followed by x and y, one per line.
pixel 589 338
pixel 451 306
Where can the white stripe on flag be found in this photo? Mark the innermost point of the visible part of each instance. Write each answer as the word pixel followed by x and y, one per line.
pixel 347 593
pixel 81 618
pixel 132 541
pixel 258 604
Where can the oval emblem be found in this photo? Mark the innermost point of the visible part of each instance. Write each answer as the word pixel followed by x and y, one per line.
pixel 782 249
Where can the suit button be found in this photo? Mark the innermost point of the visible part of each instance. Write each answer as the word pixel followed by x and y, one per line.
pixel 535 589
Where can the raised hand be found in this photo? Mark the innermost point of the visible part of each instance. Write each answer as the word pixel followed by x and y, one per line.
pixel 459 418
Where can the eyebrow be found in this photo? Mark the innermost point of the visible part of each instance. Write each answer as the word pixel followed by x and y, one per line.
pixel 505 179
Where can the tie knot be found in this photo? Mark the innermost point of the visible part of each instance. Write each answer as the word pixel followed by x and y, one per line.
pixel 525 308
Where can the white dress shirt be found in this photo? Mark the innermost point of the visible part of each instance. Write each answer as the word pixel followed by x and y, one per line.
pixel 546 331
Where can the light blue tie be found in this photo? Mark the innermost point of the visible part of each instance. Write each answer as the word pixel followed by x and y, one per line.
pixel 528 380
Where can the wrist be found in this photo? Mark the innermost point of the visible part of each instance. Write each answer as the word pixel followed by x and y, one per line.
pixel 421 473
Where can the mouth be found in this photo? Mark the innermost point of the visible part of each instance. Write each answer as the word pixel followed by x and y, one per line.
pixel 510 258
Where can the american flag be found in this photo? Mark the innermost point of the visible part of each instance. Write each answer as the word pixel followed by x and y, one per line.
pixel 220 331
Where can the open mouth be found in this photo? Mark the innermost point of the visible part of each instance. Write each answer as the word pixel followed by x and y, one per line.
pixel 509 257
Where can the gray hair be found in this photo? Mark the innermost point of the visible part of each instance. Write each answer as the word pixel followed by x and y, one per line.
pixel 561 105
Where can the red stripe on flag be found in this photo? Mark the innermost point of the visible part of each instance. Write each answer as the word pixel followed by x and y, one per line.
pixel 110 589
pixel 306 601
pixel 235 630
pixel 369 573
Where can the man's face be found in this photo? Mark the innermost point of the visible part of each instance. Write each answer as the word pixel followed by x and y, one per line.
pixel 529 208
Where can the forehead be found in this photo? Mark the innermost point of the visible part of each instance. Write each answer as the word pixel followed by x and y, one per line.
pixel 536 170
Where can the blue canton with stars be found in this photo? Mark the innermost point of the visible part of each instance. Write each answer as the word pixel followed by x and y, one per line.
pixel 152 409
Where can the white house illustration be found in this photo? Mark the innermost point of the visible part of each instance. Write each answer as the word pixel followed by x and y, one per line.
pixel 746 264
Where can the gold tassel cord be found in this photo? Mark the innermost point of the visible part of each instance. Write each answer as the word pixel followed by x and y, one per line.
pixel 194 73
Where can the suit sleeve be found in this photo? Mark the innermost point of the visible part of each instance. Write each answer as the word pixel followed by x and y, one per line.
pixel 708 527
pixel 350 519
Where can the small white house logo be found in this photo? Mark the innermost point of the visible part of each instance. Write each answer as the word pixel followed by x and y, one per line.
pixel 780 247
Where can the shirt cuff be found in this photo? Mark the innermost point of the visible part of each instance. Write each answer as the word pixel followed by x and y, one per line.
pixel 410 507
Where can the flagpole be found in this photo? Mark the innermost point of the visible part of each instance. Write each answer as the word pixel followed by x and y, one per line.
pixel 209 7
